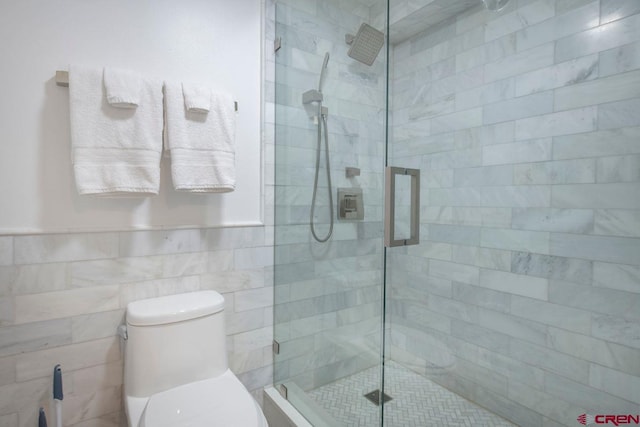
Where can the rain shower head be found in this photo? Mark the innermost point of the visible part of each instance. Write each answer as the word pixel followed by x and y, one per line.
pixel 366 45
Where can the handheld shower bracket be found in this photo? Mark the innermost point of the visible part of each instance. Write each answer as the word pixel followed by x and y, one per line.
pixel 312 96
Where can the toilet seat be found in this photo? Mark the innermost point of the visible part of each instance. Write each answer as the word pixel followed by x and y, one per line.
pixel 221 401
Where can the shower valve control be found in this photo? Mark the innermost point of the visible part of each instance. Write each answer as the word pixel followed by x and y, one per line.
pixel 350 204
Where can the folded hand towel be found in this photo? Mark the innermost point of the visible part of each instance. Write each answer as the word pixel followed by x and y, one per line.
pixel 197 99
pixel 123 87
pixel 202 146
pixel 115 151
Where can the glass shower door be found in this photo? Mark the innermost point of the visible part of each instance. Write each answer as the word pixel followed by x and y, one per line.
pixel 329 260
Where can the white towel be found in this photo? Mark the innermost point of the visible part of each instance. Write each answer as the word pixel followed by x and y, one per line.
pixel 202 146
pixel 115 151
pixel 123 87
pixel 197 99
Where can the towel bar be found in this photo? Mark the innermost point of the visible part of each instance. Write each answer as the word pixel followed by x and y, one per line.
pixel 62 79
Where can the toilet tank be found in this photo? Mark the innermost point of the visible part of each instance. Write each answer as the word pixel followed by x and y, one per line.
pixel 174 340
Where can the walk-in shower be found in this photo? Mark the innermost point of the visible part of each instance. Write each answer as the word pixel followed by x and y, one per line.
pixel 518 123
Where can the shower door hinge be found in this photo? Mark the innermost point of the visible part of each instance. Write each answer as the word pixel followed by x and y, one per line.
pixel 283 391
pixel 276 347
pixel 277 44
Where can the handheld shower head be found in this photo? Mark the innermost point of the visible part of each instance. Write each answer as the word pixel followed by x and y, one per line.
pixel 366 45
pixel 322 71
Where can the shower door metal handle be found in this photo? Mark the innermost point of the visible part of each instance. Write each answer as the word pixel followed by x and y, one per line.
pixel 390 201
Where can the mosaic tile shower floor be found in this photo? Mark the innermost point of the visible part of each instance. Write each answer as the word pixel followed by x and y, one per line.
pixel 416 402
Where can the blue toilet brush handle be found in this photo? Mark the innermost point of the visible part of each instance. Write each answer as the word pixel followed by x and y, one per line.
pixel 57 382
pixel 42 419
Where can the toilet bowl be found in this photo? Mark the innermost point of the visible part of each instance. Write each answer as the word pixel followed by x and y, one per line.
pixel 176 372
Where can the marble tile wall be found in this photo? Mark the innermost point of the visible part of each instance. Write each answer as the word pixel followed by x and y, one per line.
pixel 525 292
pixel 63 296
pixel 327 312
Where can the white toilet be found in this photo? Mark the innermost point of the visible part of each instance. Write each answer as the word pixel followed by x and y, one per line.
pixel 175 369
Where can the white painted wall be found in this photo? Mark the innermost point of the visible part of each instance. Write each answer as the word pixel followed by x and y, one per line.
pixel 215 41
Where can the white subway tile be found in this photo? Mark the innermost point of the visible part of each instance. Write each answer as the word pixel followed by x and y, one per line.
pixel 64 247
pixel 617 276
pixel 522 62
pixel 528 286
pixel 600 38
pixel 253 299
pixel 488 52
pixel 55 305
pixel 619 114
pixel 178 265
pixel 617 330
pixel 80 407
pixel 492 92
pixel 6 250
pixel 88 327
pixel 144 243
pixel 536 150
pixel 114 271
pixel 580 394
pixel 38 278
pixel 455 121
pixel 6 311
pixel 596 350
pixel 95 378
pixel 595 299
pixel 605 89
pixel 514 326
pixel 518 108
pixel 547 219
pixel 551 314
pixel 220 261
pixel 521 196
pixel 520 18
pixel 559 75
pixel 562 123
pixel 39 364
pixel 620 59
pixel 598 248
pixel 483 176
pixel 489 217
pixel 550 360
pixel 612 10
pixel 617 222
pixel 10 420
pixel 251 258
pixel 619 168
pixel 28 394
pixel 614 382
pixel 456 234
pixel 34 336
pixel 515 240
pixel 253 340
pixel 614 196
pixel 596 144
pixel 566 24
pixel 454 271
pixel 7 370
pixel 556 172
pixel 233 281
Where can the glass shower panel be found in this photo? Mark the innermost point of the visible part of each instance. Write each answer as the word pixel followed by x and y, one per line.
pixel 330 116
pixel 521 304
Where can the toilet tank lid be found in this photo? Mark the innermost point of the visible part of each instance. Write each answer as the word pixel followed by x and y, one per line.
pixel 174 308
